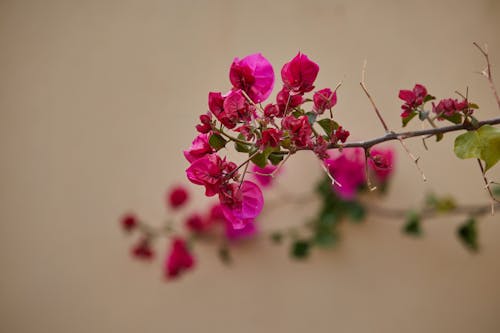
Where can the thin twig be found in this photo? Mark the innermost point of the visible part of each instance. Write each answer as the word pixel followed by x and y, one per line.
pixel 487 183
pixel 487 72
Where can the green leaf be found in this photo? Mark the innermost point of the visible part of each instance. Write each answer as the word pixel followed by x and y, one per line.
pixel 467 233
pixel 496 190
pixel 406 120
pixel 483 143
pixel 275 159
pixel 300 249
pixel 216 141
pixel 455 118
pixel 429 98
pixel 261 158
pixel 311 116
pixel 328 125
pixel 473 106
pixel 412 226
pixel 225 255
pixel 356 211
pixel 439 137
pixel 325 237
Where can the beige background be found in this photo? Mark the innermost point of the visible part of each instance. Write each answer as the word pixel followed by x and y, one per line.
pixel 98 98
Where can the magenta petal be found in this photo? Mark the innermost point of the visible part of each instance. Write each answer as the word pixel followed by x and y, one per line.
pixel 254 74
pixel 407 95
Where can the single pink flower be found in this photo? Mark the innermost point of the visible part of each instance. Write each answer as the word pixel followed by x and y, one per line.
pixel 348 169
pixel 299 128
pixel 143 250
pixel 340 134
pixel 448 107
pixel 177 196
pixel 206 123
pixel 129 222
pixel 286 102
pixel 179 259
pixel 199 148
pixel 299 74
pixel 412 98
pixel 241 205
pixel 324 99
pixel 207 171
pixel 382 163
pixel 253 74
pixel 271 137
pixel 197 223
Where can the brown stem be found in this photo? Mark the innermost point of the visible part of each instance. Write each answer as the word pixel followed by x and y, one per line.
pixel 487 72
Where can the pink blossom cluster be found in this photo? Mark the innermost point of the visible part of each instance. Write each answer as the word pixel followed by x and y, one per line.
pixel 265 132
pixel 446 109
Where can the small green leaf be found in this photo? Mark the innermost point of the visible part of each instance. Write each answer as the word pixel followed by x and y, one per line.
pixel 225 255
pixel 260 160
pixel 406 120
pixel 429 98
pixel 467 233
pixel 328 125
pixel 325 237
pixel 275 159
pixel 300 249
pixel 439 137
pixel 216 141
pixel 412 226
pixel 496 190
pixel 356 211
pixel 455 118
pixel 242 148
pixel 483 143
pixel 311 116
pixel 473 106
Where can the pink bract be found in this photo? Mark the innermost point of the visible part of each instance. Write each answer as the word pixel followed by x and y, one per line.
pixel 324 99
pixel 179 259
pixel 253 74
pixel 348 169
pixel 246 207
pixel 247 231
pixel 199 148
pixel 299 74
pixel 382 162
pixel 207 171
pixel 259 174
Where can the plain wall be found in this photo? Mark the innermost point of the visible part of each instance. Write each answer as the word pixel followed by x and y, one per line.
pixel 97 100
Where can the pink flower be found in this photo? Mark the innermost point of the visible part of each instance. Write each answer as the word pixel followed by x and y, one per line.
pixel 348 169
pixel 381 162
pixel 129 222
pixel 448 107
pixel 142 250
pixel 253 74
pixel 271 111
pixel 234 234
pixel 177 196
pixel 197 223
pixel 206 123
pixel 199 148
pixel 324 99
pixel 271 137
pixel 286 102
pixel 413 99
pixel 299 74
pixel 207 171
pixel 241 205
pixel 179 259
pixel 340 134
pixel 319 147
pixel 299 128
pixel 259 174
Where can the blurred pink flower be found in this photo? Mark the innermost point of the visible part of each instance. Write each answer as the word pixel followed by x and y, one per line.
pixel 348 169
pixel 179 259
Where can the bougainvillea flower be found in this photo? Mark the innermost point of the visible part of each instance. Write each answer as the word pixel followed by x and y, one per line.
pixel 381 162
pixel 413 99
pixel 246 204
pixel 177 196
pixel 253 74
pixel 260 174
pixel 286 102
pixel 448 107
pixel 235 234
pixel 348 169
pixel 197 223
pixel 207 171
pixel 299 74
pixel 129 222
pixel 206 123
pixel 143 250
pixel 199 148
pixel 340 134
pixel 299 128
pixel 179 259
pixel 271 137
pixel 324 99
pixel 216 106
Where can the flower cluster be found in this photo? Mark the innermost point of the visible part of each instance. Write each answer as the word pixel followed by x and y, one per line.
pixel 267 133
pixel 349 169
pixel 446 109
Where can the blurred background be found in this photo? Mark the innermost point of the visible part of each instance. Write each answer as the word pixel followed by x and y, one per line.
pixel 97 101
